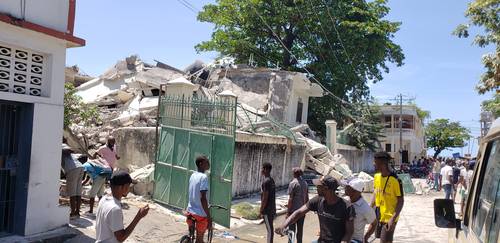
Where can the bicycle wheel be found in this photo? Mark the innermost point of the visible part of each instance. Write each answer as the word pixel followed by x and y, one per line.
pixel 185 239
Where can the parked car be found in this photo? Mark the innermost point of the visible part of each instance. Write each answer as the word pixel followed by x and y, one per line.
pixel 481 220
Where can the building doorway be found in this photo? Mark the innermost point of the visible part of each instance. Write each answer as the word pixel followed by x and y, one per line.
pixel 16 121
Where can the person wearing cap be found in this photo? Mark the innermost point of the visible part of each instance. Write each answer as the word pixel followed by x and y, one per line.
pixel 198 199
pixel 268 200
pixel 298 197
pixel 388 199
pixel 73 171
pixel 336 218
pixel 109 218
pixel 364 213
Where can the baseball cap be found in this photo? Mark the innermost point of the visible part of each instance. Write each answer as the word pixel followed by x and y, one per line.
pixel 355 183
pixel 327 181
pixel 121 178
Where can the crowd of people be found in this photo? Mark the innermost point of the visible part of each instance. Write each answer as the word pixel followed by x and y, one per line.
pixel 454 178
pixel 340 219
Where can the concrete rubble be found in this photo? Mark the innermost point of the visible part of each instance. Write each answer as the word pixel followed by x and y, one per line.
pixel 127 96
pixel 144 177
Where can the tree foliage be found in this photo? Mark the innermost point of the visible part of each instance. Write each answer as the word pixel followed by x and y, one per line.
pixel 365 128
pixel 343 43
pixel 75 111
pixel 442 134
pixel 492 105
pixel 485 14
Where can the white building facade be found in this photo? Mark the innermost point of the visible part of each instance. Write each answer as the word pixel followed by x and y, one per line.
pixel 34 36
pixel 412 132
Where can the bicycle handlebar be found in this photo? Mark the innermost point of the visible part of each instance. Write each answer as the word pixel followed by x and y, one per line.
pixel 217 206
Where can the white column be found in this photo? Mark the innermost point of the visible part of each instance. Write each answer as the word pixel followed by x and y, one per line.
pixel 331 135
pixel 182 89
pixel 228 98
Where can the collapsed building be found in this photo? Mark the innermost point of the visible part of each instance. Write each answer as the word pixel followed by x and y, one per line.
pixel 271 118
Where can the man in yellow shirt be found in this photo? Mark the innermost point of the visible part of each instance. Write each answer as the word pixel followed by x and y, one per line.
pixel 388 199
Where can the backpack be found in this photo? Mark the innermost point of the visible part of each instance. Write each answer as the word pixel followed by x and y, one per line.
pixel 456 174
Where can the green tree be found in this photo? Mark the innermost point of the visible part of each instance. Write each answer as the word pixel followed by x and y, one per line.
pixel 442 134
pixel 365 127
pixel 75 111
pixel 492 105
pixel 485 14
pixel 343 43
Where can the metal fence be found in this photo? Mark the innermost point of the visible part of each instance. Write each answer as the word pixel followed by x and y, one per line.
pixel 189 128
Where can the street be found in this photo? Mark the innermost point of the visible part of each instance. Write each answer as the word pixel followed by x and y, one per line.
pixel 416 225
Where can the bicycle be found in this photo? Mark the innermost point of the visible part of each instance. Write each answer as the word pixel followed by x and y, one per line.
pixel 288 232
pixel 191 236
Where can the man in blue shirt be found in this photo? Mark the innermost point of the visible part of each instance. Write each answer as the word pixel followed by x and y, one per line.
pixel 198 199
pixel 99 172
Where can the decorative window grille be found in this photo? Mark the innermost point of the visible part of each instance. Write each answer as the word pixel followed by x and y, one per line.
pixel 22 71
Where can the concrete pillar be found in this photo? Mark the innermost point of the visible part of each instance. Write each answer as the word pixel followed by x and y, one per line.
pixel 180 113
pixel 229 99
pixel 331 135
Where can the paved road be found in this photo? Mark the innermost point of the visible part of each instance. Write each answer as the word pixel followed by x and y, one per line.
pixel 416 224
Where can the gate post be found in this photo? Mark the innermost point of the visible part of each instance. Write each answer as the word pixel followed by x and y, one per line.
pixel 331 135
pixel 227 114
pixel 182 88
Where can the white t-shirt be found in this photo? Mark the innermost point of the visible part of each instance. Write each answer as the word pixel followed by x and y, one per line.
pixel 446 172
pixel 109 220
pixel 364 215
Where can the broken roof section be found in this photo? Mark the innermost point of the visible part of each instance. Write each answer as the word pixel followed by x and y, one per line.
pixel 279 95
pixel 126 78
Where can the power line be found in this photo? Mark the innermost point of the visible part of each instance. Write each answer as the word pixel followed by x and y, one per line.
pixel 188 6
pixel 191 5
pixel 326 36
pixel 292 55
pixel 338 35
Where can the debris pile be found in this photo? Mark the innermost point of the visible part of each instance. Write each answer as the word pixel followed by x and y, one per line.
pixel 126 95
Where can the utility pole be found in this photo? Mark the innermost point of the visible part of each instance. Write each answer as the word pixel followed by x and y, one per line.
pixel 400 129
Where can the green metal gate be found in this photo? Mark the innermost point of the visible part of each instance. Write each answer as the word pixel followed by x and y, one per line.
pixel 189 128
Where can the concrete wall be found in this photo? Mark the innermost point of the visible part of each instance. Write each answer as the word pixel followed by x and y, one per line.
pixel 359 160
pixel 251 155
pixel 48 13
pixel 136 146
pixel 43 212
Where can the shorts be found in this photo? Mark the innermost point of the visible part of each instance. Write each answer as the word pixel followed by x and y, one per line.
pixel 97 188
pixel 201 222
pixel 382 233
pixel 74 179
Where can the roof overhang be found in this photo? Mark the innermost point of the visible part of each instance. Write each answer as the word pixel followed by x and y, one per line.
pixel 71 40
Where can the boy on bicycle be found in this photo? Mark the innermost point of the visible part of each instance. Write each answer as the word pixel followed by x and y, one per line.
pixel 198 199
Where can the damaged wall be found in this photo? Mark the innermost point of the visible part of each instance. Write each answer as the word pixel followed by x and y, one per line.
pixel 136 146
pixel 248 162
pixel 358 160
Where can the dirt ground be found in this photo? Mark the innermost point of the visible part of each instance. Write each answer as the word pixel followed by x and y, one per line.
pixel 416 225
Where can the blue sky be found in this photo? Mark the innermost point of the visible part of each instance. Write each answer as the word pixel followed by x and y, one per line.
pixel 440 70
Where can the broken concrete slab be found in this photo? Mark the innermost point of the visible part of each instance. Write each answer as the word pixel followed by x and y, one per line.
pixel 145 181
